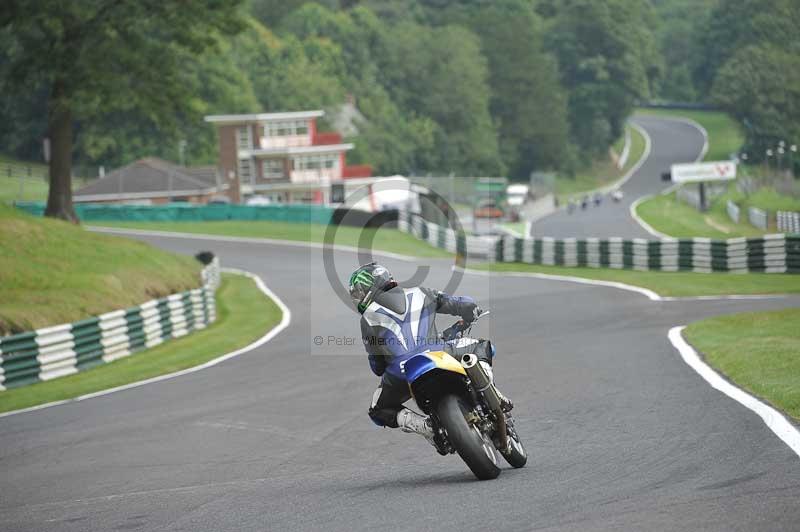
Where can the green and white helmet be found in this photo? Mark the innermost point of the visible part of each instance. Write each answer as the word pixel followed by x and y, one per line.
pixel 366 282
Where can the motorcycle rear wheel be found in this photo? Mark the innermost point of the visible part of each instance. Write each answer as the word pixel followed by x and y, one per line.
pixel 474 448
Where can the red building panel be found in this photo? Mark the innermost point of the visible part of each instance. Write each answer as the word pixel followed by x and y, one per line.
pixel 356 170
pixel 328 138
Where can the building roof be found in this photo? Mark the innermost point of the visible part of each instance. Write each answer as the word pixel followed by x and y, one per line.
pixel 262 117
pixel 150 177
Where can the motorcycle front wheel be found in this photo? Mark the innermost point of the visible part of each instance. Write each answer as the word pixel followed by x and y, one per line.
pixel 475 448
pixel 516 455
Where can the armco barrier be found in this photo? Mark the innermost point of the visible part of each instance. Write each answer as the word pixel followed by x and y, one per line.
pixel 770 254
pixel 734 211
pixel 758 218
pixel 61 350
pixel 184 212
pixel 788 222
pixel 444 237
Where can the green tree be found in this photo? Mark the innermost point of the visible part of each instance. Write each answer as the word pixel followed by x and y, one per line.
pixel 735 24
pixel 99 55
pixel 440 73
pixel 760 86
pixel 214 84
pixel 607 58
pixel 528 103
pixel 680 25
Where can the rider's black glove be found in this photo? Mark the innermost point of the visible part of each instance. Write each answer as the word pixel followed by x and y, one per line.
pixel 476 312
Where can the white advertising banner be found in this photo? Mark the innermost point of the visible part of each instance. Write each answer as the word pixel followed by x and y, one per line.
pixel 700 172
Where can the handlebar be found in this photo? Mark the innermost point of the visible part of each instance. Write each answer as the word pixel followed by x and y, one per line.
pixel 458 329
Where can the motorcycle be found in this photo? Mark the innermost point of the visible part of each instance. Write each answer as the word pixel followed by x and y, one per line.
pixel 466 410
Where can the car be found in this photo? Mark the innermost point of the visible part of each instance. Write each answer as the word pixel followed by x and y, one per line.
pixel 219 200
pixel 258 200
pixel 488 209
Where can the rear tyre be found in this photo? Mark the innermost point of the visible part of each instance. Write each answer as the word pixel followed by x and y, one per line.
pixel 474 448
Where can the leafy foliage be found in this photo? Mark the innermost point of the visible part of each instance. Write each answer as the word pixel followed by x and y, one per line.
pixel 608 60
pixel 463 86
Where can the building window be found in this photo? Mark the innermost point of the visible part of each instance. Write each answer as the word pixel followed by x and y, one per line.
pixel 286 128
pixel 245 175
pixel 243 140
pixel 273 169
pixel 315 162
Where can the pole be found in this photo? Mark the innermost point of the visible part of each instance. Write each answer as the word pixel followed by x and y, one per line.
pixel 452 190
pixel 703 206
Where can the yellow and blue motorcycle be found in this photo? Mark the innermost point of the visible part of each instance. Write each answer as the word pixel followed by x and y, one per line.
pixel 468 414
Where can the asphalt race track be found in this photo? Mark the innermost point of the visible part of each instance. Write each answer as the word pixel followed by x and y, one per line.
pixel 622 435
pixel 672 142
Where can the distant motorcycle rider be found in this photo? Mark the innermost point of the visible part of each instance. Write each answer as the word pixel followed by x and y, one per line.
pixel 400 322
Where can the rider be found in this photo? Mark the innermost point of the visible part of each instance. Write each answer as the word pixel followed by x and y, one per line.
pixel 397 322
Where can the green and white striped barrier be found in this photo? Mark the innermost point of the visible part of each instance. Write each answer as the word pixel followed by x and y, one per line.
pixel 445 237
pixel 53 352
pixel 770 253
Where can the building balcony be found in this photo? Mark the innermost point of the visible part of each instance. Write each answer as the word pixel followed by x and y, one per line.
pixel 289 141
pixel 322 176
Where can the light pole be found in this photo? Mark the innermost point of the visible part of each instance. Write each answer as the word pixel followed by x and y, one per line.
pixel 781 151
pixel 766 162
pixel 792 151
pixel 182 150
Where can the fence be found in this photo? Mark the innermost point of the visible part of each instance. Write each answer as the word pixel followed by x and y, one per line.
pixel 758 218
pixel 444 237
pixel 788 222
pixel 733 211
pixel 770 254
pixel 52 352
pixel 691 197
pixel 23 171
pixel 179 212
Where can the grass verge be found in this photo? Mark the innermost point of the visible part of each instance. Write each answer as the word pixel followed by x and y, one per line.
pixel 757 351
pixel 725 135
pixel 54 272
pixel 517 227
pixel 665 213
pixel 600 172
pixel 244 314
pixel 669 284
pixel 382 239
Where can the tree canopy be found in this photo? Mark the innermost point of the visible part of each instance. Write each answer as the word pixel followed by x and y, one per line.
pixel 464 86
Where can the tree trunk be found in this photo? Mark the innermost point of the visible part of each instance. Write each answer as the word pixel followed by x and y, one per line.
pixel 59 197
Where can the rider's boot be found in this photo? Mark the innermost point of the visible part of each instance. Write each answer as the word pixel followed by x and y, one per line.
pixel 505 402
pixel 410 421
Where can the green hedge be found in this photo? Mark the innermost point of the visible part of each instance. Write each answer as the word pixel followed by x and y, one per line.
pixel 176 212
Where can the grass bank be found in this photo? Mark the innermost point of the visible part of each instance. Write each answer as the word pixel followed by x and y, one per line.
pixel 382 239
pixel 666 214
pixel 668 284
pixel 758 351
pixel 725 135
pixel 54 272
pixel 601 172
pixel 244 314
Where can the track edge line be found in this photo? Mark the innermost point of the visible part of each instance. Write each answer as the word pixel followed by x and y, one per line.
pixel 286 319
pixel 776 421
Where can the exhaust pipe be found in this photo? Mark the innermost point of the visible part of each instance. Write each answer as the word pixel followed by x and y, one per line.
pixel 483 384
